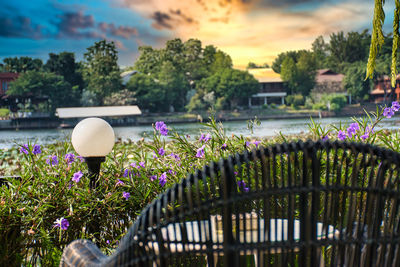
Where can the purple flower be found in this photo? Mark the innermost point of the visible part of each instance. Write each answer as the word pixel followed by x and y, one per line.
pixel 63 223
pixel 119 182
pixel 126 195
pixel 200 152
pixel 325 138
pixel 355 126
pixel 80 158
pixel 52 160
pixel 155 156
pixel 24 149
pixel 248 143
pixel 141 164
pixel 36 149
pixel 161 152
pixel 224 146
pixel 342 135
pixel 351 131
pixel 241 184
pixel 365 136
pixel 77 176
pixel 107 242
pixel 256 143
pixel 205 138
pixel 153 178
pixel 162 128
pixel 162 179
pixel 388 112
pixel 133 165
pixel 69 158
pixel 127 173
pixel 395 106
pixel 177 158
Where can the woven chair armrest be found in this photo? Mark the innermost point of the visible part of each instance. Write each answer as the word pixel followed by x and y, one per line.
pixel 82 253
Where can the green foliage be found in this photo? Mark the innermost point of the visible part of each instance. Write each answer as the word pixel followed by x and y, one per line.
pixel 234 85
pixel 101 72
pixel 377 38
pixel 335 102
pixel 295 100
pixel 45 84
pixel 21 64
pixel 299 72
pixel 4 112
pixel 253 65
pixel 149 94
pixel 354 81
pixel 178 68
pixel 64 64
pixel 121 98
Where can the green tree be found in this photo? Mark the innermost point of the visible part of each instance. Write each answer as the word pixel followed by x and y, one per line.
pixel 22 64
pixel 64 64
pixel 320 50
pixel 348 48
pixel 354 81
pixel 44 84
pixel 101 71
pixel 235 86
pixel 300 75
pixel 277 64
pixel 148 92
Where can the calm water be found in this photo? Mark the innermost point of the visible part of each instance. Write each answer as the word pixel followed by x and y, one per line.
pixel 267 128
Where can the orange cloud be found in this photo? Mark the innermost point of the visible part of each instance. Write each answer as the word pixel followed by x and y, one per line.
pixel 251 30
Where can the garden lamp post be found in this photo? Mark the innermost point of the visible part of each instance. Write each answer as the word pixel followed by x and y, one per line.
pixel 93 139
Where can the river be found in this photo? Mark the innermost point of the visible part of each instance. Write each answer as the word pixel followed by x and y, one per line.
pixel 266 129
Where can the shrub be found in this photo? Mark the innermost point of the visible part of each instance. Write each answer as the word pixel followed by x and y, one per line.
pixel 295 100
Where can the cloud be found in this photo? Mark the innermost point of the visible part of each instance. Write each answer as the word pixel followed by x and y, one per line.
pixel 75 25
pixel 254 30
pixel 125 32
pixel 161 20
pixel 20 27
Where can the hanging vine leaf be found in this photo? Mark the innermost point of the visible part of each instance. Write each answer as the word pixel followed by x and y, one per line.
pixel 377 38
pixel 395 42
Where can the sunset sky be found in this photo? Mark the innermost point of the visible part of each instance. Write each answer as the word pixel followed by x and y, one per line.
pixel 248 30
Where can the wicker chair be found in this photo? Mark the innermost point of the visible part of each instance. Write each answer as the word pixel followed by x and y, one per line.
pixel 297 204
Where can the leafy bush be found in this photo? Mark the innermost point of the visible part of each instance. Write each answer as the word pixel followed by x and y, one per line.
pixel 336 101
pixel 4 112
pixel 295 100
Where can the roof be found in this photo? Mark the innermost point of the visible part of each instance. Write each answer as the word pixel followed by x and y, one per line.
pixel 265 75
pixel 108 111
pixel 327 75
pixel 10 75
pixel 126 75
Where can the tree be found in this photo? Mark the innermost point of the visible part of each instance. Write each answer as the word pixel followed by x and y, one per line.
pixel 320 50
pixel 348 48
pixel 300 74
pixel 148 92
pixel 64 64
pixel 44 84
pixel 232 85
pixel 277 64
pixel 101 71
pixel 354 81
pixel 21 64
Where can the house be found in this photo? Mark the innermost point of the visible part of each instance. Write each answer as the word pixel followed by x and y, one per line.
pixel 383 85
pixel 5 79
pixel 272 88
pixel 328 82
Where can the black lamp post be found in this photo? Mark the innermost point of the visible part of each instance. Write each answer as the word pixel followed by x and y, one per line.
pixel 93 139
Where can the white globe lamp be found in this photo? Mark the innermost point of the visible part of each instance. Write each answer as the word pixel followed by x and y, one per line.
pixel 93 139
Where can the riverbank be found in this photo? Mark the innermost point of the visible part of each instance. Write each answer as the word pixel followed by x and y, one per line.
pixel 280 113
